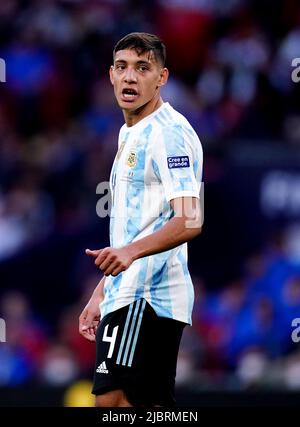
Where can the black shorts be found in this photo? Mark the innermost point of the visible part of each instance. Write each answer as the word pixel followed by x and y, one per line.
pixel 137 352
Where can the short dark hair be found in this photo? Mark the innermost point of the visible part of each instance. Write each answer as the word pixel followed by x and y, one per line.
pixel 143 42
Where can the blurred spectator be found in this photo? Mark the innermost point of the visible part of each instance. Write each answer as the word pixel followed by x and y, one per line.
pixel 59 366
pixel 26 340
pixel 291 372
pixel 252 367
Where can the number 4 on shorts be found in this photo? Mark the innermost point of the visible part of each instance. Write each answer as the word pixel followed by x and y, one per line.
pixel 111 340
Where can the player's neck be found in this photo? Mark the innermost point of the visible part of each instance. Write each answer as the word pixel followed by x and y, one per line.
pixel 133 117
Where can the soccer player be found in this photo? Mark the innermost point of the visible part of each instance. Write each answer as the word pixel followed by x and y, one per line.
pixel 146 294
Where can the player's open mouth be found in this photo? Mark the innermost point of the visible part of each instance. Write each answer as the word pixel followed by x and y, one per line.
pixel 129 95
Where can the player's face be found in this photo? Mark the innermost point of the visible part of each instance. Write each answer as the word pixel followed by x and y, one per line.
pixel 136 78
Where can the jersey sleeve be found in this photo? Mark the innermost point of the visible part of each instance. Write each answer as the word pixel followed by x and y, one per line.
pixel 177 160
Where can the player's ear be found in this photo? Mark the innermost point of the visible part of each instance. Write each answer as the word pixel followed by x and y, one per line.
pixel 111 76
pixel 163 78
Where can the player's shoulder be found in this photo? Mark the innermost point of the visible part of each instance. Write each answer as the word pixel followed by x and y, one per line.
pixel 172 121
pixel 168 116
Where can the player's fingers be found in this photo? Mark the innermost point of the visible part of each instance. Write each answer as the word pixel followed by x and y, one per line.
pixel 86 322
pixel 110 268
pixel 91 332
pixel 105 265
pixel 95 327
pixel 83 329
pixel 86 331
pixel 118 270
pixel 101 257
pixel 94 253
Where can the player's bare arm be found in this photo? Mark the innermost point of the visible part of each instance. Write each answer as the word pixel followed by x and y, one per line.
pixel 90 315
pixel 183 227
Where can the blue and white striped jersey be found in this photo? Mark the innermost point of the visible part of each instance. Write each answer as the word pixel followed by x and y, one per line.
pixel 159 158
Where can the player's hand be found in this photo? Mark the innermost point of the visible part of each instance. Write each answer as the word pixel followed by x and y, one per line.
pixel 111 260
pixel 89 319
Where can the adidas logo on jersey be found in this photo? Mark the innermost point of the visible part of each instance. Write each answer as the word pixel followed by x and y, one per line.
pixel 102 369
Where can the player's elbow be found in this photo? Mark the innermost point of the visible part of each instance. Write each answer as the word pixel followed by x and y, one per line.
pixel 192 228
pixel 194 232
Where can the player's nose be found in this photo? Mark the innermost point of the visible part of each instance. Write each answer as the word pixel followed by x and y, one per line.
pixel 130 76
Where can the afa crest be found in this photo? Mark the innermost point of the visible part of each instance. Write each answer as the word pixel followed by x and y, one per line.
pixel 132 159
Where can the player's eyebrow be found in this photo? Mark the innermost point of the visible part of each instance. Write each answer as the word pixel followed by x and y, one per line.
pixel 143 62
pixel 140 62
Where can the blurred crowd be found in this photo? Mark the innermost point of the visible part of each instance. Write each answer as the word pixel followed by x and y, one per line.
pixel 245 336
pixel 230 63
